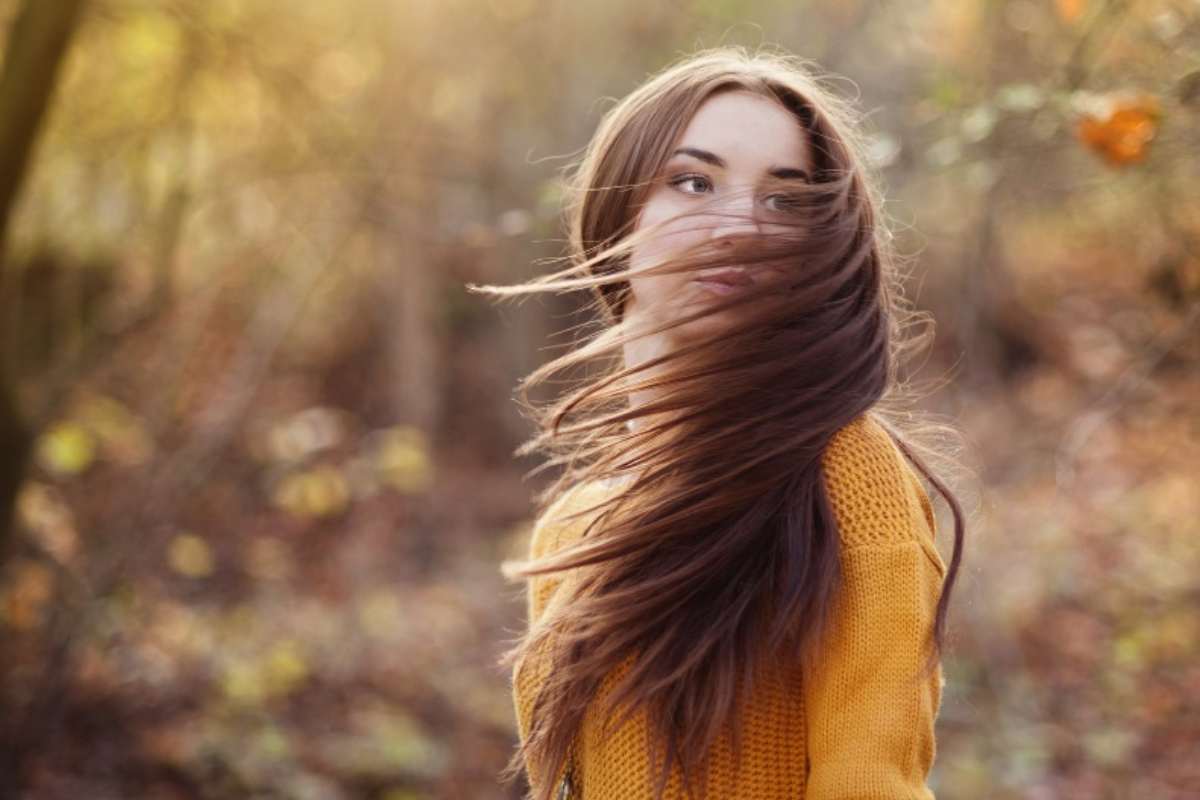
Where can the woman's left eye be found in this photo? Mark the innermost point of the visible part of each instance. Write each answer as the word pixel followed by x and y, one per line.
pixel 782 202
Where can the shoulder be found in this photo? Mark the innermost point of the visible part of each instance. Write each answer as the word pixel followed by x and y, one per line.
pixel 873 490
pixel 564 519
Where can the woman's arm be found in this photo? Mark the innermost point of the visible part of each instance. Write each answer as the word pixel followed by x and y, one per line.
pixel 870 710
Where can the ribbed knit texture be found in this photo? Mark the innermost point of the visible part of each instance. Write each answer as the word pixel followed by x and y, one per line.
pixel 860 726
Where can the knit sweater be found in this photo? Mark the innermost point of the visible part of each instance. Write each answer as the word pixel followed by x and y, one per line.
pixel 860 724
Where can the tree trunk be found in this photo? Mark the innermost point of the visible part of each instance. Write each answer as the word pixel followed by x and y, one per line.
pixel 36 45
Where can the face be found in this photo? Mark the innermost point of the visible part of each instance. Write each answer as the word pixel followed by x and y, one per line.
pixel 734 143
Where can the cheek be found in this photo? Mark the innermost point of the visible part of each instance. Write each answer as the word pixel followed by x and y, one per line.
pixel 676 231
pixel 657 291
pixel 676 234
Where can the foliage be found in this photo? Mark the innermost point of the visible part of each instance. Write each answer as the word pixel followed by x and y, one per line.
pixel 256 538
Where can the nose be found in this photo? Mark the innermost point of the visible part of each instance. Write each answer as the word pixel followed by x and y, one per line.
pixel 735 217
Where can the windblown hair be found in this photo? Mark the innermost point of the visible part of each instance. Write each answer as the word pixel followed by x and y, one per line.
pixel 715 555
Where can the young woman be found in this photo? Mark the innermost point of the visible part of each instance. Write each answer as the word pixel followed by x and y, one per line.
pixel 734 590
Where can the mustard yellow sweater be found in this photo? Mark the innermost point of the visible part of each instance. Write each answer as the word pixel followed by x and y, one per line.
pixel 858 727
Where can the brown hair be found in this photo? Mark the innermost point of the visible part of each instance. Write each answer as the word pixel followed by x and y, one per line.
pixel 717 554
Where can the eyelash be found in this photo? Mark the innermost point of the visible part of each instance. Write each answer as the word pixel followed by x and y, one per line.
pixel 679 179
pixel 692 176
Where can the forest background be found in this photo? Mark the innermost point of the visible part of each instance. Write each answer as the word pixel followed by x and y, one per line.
pixel 256 438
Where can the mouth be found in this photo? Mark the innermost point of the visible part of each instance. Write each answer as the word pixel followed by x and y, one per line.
pixel 725 280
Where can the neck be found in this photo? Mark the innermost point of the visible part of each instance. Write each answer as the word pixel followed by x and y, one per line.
pixel 637 351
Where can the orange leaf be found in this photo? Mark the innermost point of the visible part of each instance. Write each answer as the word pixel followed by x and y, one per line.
pixel 1070 10
pixel 1122 135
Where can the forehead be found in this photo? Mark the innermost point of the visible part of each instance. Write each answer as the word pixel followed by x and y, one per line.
pixel 749 131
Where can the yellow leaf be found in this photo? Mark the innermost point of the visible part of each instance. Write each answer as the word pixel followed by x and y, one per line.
pixel 118 430
pixel 190 555
pixel 285 669
pixel 242 683
pixel 66 448
pixel 318 492
pixel 402 459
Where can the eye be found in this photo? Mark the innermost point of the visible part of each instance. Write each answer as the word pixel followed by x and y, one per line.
pixel 680 180
pixel 782 202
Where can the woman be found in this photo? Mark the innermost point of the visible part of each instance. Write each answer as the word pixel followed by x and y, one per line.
pixel 733 588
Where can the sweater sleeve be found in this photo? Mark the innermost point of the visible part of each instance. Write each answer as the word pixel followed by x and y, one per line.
pixel 870 712
pixel 550 532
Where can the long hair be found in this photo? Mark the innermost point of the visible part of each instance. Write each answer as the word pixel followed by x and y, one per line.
pixel 713 553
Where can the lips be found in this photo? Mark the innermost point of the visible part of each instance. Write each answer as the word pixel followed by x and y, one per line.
pixel 728 276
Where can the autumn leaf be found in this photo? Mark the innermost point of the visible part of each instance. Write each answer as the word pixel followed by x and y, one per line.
pixel 1122 133
pixel 66 448
pixel 190 555
pixel 1070 11
pixel 27 595
pixel 402 459
pixel 318 492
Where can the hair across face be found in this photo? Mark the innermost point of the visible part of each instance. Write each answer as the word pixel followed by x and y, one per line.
pixel 765 111
pixel 712 188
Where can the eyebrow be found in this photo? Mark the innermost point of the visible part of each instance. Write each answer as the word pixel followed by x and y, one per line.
pixel 717 161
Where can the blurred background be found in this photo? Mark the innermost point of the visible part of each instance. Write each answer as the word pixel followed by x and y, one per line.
pixel 256 439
